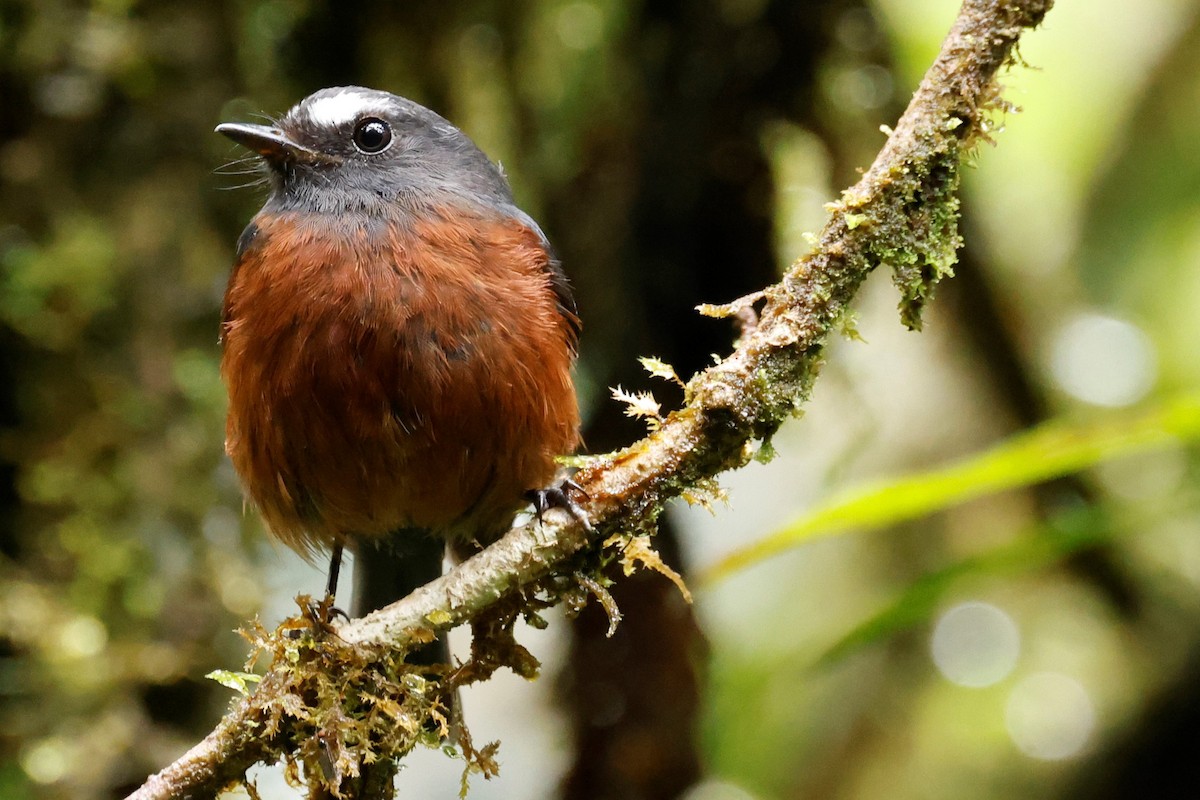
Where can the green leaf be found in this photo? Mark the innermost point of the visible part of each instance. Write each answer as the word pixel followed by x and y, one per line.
pixel 238 681
pixel 1048 451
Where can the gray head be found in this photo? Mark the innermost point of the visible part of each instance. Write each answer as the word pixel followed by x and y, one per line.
pixel 354 149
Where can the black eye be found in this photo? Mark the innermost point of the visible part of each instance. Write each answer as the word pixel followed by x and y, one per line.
pixel 372 135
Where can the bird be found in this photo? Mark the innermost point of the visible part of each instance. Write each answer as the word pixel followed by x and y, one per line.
pixel 398 341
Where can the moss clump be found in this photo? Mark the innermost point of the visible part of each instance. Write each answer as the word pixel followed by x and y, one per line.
pixel 912 225
pixel 928 250
pixel 343 708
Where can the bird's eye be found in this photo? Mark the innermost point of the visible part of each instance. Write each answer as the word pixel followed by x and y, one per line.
pixel 372 135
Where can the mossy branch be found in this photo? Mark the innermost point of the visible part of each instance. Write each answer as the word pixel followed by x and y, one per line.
pixel 903 213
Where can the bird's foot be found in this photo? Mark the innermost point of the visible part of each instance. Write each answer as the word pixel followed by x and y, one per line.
pixel 321 613
pixel 325 612
pixel 560 497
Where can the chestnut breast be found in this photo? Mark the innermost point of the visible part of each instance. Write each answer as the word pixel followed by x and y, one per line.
pixel 389 374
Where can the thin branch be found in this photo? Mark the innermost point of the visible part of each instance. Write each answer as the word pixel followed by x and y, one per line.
pixel 903 213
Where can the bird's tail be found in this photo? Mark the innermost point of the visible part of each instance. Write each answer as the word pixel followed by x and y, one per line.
pixel 391 567
pixel 385 570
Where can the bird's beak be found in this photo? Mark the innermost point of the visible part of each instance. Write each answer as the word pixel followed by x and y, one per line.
pixel 272 144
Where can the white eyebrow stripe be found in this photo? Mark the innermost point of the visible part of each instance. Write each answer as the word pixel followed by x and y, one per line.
pixel 338 109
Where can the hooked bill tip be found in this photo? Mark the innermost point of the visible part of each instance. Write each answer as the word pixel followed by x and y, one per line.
pixel 270 143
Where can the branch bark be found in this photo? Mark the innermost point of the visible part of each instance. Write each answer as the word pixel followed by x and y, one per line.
pixel 902 213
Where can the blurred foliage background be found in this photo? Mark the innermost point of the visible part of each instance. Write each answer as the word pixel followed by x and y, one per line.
pixel 954 640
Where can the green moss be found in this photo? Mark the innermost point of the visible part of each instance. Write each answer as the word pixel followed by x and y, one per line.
pixel 915 229
pixel 343 708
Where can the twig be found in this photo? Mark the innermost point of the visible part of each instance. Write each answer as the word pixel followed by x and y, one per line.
pixel 903 213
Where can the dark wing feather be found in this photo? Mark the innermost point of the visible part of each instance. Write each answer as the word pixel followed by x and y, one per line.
pixel 559 283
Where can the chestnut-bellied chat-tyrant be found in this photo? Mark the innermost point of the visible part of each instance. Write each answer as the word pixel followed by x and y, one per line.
pixel 398 339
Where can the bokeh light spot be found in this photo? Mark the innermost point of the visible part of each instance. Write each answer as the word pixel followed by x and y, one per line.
pixel 46 761
pixel 975 644
pixel 1050 716
pixel 717 790
pixel 1103 360
pixel 81 637
pixel 580 25
pixel 866 87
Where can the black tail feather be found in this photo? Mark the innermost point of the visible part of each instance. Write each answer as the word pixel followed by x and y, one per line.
pixel 385 570
pixel 392 567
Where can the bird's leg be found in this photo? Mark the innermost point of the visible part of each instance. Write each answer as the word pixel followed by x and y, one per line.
pixel 335 569
pixel 559 496
pixel 325 610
